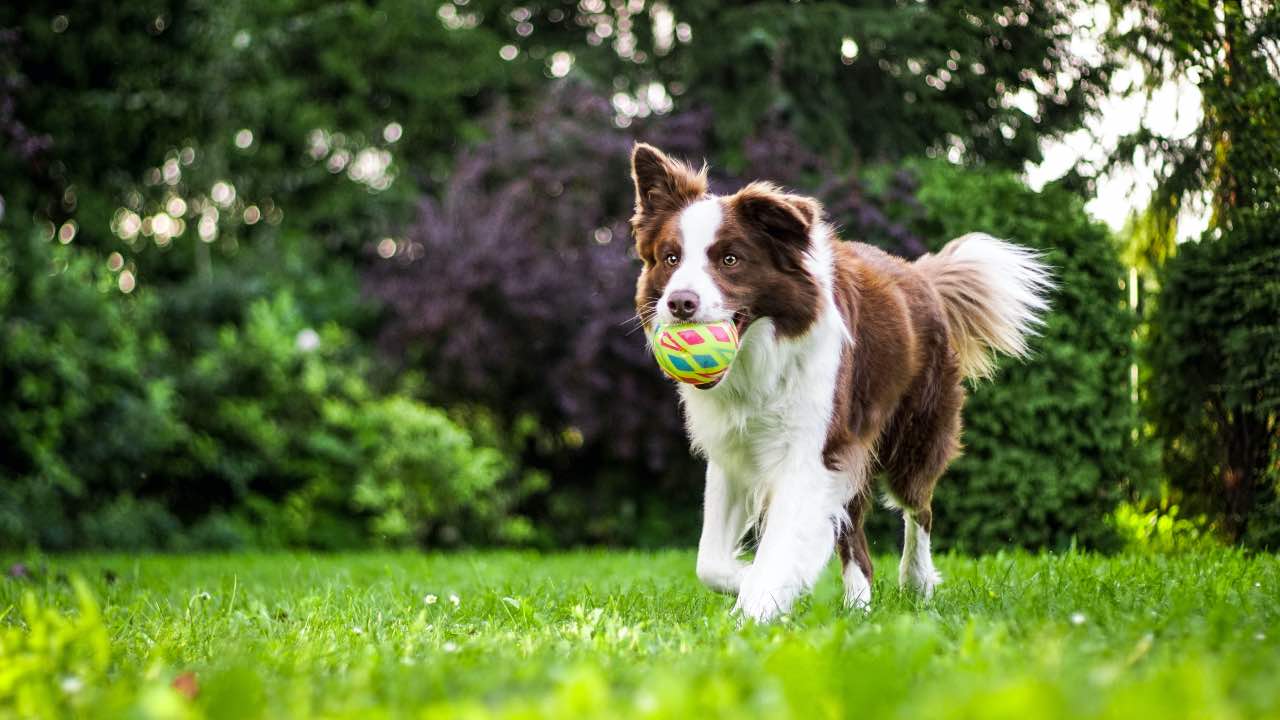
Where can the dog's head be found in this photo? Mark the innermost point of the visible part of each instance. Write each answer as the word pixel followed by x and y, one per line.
pixel 709 258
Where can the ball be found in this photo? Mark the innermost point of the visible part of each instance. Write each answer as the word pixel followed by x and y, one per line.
pixel 694 353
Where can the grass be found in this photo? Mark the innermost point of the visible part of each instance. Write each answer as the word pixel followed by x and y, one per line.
pixel 610 634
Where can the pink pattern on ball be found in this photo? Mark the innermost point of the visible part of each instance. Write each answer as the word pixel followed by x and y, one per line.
pixel 691 337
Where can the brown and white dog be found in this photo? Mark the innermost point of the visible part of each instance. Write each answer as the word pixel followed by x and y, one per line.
pixel 850 366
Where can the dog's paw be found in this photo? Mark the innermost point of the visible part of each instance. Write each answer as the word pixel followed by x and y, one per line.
pixel 923 581
pixel 761 602
pixel 857 589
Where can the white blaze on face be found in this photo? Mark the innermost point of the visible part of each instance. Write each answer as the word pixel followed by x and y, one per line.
pixel 698 225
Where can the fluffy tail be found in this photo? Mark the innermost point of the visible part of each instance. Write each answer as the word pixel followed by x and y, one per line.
pixel 994 296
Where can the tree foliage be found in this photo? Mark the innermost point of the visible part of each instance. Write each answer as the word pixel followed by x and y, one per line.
pixel 866 79
pixel 1213 387
pixel 188 185
pixel 197 193
pixel 1228 50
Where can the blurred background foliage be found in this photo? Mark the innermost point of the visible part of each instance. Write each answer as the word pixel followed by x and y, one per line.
pixel 352 273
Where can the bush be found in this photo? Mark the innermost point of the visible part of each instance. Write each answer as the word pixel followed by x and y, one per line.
pixel 281 416
pixel 264 431
pixel 1049 443
pixel 79 419
pixel 1214 364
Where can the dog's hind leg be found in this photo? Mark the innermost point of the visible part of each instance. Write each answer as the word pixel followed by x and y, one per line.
pixel 916 570
pixel 855 557
pixel 924 445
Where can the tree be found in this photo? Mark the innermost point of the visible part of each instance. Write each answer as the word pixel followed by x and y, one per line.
pixel 869 80
pixel 1212 376
pixel 1228 49
pixel 184 132
pixel 170 167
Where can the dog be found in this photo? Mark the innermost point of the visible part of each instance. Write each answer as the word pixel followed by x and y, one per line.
pixel 850 367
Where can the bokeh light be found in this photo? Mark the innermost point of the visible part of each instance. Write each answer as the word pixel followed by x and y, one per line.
pixel 223 193
pixel 561 63
pixel 848 50
pixel 67 232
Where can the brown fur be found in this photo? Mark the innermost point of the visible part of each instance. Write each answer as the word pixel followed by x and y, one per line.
pixel 663 187
pixel 852 544
pixel 899 388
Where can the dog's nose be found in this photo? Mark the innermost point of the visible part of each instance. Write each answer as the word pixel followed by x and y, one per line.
pixel 683 304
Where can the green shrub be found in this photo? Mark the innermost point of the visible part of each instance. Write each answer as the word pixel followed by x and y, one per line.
pixel 1048 444
pixel 283 413
pixel 260 431
pixel 1160 526
pixel 1214 367
pixel 80 422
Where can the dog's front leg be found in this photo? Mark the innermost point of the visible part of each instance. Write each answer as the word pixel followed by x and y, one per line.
pixel 724 521
pixel 806 503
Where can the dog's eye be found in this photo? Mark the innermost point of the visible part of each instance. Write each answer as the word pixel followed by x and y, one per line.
pixel 671 259
pixel 730 260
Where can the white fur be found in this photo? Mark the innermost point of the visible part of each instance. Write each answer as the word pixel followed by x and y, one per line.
pixel 763 427
pixel 857 589
pixel 698 225
pixel 1011 284
pixel 916 570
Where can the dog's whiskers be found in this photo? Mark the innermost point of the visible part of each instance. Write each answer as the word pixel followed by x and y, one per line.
pixel 645 315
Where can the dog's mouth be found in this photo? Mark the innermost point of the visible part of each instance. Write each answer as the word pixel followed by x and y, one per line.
pixel 741 320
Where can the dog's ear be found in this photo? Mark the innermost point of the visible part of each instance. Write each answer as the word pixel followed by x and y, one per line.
pixel 785 219
pixel 663 184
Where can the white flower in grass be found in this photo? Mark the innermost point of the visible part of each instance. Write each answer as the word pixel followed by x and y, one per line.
pixel 357 630
pixel 72 684
pixel 450 647
pixel 453 598
pixel 430 599
pixel 1078 618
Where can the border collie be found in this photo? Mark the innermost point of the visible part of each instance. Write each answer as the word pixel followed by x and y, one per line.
pixel 850 367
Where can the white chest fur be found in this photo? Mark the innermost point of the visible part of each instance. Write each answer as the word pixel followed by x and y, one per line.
pixel 773 409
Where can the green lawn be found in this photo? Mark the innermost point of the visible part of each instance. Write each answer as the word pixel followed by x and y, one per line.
pixel 633 634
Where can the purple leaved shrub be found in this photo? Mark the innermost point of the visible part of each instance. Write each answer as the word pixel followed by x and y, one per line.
pixel 514 288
